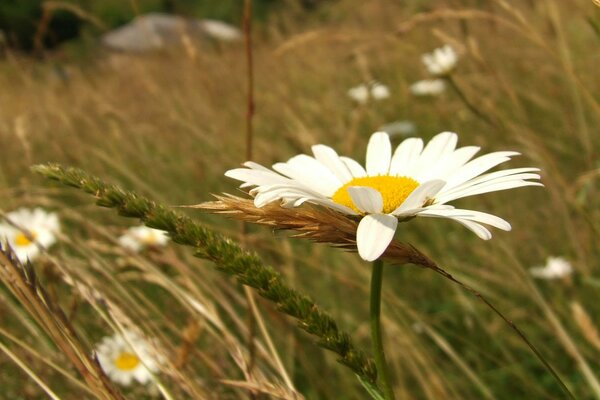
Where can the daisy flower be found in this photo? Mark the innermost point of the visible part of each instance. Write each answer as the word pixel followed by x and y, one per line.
pixel 399 128
pixel 441 61
pixel 428 87
pixel 413 181
pixel 30 231
pixel 372 90
pixel 556 267
pixel 139 237
pixel 127 357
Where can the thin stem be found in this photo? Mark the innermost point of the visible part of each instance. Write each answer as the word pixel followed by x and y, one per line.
pixel 512 325
pixel 253 315
pixel 376 281
pixel 467 102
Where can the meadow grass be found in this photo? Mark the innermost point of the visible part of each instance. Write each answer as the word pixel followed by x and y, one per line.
pixel 168 125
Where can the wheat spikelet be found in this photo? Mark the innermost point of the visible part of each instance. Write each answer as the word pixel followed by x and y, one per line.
pixel 315 223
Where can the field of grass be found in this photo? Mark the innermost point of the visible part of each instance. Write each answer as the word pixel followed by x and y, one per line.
pixel 168 125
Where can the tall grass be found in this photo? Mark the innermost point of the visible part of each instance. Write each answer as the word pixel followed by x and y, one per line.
pixel 168 126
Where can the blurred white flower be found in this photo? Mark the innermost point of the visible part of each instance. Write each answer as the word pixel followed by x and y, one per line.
pixel 138 238
pixel 428 87
pixel 127 357
pixel 399 128
pixel 379 91
pixel 440 61
pixel 220 30
pixel 366 91
pixel 556 267
pixel 34 229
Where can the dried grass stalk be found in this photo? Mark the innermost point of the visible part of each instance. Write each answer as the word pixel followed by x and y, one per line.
pixel 23 283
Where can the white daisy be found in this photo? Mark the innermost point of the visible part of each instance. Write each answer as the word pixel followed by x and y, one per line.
pixel 415 180
pixel 399 128
pixel 428 87
pixel 379 91
pixel 33 230
pixel 366 91
pixel 441 61
pixel 127 357
pixel 139 237
pixel 556 267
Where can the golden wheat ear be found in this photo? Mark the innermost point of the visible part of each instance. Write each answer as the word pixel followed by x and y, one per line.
pixel 315 223
pixel 22 281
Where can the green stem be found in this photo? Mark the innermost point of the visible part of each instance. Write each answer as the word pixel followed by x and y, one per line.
pixel 384 375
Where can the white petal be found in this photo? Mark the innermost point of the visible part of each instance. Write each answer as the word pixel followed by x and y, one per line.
pixel 497 176
pixel 405 156
pixel 374 234
pixel 480 189
pixel 379 154
pixel 478 166
pixel 470 215
pixel 354 167
pixel 419 196
pixel 366 199
pixel 254 177
pixel 447 166
pixel 310 173
pixel 478 229
pixel 329 158
pixel 440 145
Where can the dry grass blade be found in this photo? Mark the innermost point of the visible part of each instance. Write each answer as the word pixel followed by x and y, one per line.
pixel 23 283
pixel 585 323
pixel 315 223
pixel 274 391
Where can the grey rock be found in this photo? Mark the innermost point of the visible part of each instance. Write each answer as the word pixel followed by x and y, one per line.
pixel 157 31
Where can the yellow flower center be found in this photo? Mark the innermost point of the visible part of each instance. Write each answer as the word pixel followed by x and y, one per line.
pixel 127 361
pixel 393 189
pixel 151 239
pixel 21 240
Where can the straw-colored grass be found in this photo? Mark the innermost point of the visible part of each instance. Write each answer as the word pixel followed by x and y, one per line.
pixel 168 125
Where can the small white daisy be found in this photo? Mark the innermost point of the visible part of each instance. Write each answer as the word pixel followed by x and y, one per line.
pixel 127 357
pixel 415 180
pixel 379 91
pixel 556 267
pixel 140 237
pixel 220 30
pixel 428 87
pixel 441 61
pixel 367 91
pixel 33 229
pixel 399 128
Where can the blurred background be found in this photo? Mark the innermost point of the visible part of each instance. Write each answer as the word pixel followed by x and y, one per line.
pixel 152 95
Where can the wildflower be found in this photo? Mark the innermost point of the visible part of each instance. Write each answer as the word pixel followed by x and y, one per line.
pixel 428 87
pixel 379 91
pixel 441 61
pixel 30 231
pixel 556 267
pixel 127 357
pixel 399 128
pixel 415 180
pixel 220 30
pixel 139 237
pixel 372 90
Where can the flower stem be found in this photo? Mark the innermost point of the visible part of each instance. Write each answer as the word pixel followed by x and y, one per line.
pixel 467 102
pixel 384 375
